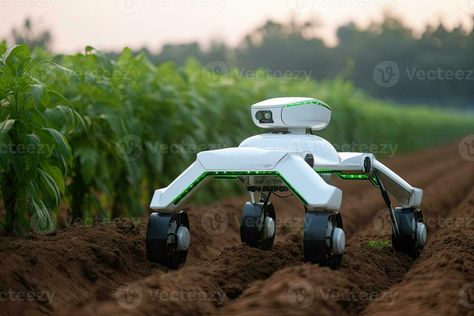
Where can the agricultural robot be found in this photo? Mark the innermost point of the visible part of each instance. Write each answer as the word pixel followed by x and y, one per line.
pixel 286 158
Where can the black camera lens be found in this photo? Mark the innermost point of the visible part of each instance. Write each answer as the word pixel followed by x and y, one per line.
pixel 264 116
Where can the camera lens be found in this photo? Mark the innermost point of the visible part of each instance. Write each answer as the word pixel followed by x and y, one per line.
pixel 264 116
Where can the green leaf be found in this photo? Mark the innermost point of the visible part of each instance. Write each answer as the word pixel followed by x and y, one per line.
pixel 48 183
pixel 57 176
pixel 6 126
pixel 20 52
pixel 36 91
pixel 62 146
pixel 68 72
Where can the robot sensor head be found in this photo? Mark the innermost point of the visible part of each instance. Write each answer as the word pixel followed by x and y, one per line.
pixel 291 113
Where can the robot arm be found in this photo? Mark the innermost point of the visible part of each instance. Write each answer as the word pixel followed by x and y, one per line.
pixel 365 166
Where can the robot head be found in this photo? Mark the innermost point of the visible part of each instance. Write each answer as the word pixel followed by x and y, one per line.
pixel 291 113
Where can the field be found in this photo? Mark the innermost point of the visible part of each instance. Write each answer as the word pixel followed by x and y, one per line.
pixel 93 135
pixel 102 269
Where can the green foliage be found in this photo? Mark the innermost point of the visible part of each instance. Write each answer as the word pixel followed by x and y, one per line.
pixel 134 126
pixel 34 158
pixel 377 244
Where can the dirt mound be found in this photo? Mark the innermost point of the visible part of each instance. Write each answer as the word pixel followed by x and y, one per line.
pixel 103 269
pixel 46 273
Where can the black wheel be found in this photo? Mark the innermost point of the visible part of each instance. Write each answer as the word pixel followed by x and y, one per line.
pixel 258 225
pixel 168 238
pixel 412 231
pixel 324 238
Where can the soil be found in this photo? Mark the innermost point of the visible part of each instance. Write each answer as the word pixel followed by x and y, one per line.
pixel 102 269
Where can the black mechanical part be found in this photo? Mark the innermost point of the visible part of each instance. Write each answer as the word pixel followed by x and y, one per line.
pixel 412 231
pixel 167 238
pixel 388 202
pixel 258 225
pixel 264 116
pixel 367 165
pixel 309 158
pixel 319 245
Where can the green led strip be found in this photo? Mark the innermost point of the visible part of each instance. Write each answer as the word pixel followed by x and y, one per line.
pixel 232 175
pixel 346 176
pixel 235 174
pixel 309 102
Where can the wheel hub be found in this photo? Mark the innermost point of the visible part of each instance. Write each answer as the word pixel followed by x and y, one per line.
pixel 338 241
pixel 184 238
pixel 420 233
pixel 269 227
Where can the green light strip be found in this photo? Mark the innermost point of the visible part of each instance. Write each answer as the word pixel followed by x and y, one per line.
pixel 234 174
pixel 309 102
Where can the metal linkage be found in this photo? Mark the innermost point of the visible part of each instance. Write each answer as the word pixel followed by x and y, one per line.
pixel 388 202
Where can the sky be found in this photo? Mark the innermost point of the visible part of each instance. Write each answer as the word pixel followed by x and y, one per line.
pixel 113 24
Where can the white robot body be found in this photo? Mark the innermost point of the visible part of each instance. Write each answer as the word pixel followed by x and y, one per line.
pixel 288 158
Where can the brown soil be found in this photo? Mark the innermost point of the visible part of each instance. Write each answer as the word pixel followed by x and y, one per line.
pixel 103 269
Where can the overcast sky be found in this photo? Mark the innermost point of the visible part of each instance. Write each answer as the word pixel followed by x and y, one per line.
pixel 113 24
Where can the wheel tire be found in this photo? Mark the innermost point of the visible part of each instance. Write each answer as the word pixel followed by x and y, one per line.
pixel 162 244
pixel 412 231
pixel 252 225
pixel 324 238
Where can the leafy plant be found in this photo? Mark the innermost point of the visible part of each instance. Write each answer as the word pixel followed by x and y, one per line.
pixel 34 158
